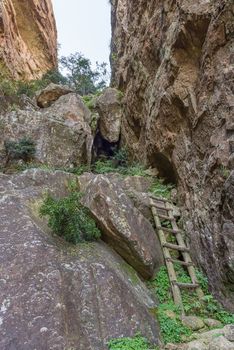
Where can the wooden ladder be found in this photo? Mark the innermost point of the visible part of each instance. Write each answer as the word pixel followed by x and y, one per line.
pixel 163 210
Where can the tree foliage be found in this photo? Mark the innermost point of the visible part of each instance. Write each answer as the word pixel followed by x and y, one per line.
pixel 81 76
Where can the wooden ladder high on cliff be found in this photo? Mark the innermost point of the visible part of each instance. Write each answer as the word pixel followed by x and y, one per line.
pixel 162 210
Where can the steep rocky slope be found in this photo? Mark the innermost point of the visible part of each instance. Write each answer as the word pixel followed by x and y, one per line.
pixel 28 38
pixel 56 295
pixel 174 62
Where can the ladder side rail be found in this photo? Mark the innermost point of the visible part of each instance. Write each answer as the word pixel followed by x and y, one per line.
pixel 170 267
pixel 186 255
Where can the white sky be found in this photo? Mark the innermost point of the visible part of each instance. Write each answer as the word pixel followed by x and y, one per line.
pixel 84 26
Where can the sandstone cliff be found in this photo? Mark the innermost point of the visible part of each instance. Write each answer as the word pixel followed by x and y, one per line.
pixel 172 60
pixel 28 38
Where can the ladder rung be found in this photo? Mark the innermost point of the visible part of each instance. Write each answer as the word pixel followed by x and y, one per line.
pixel 176 247
pixel 170 230
pixel 187 285
pixel 175 261
pixel 160 208
pixel 159 198
pixel 164 217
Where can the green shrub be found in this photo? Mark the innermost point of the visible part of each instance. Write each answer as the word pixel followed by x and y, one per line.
pixel 88 101
pixel 135 169
pixel 135 343
pixel 69 219
pixel 119 164
pixel 121 156
pixel 159 189
pixel 23 149
pixel 103 166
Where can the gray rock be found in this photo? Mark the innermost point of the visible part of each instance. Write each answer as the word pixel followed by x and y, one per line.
pixel 196 345
pixel 57 296
pixel 193 322
pixel 109 109
pixel 123 226
pixel 208 336
pixel 50 94
pixel 221 343
pixel 229 332
pixel 61 132
pixel 211 323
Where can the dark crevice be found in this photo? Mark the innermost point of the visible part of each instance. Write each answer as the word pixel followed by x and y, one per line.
pixel 164 166
pixel 103 148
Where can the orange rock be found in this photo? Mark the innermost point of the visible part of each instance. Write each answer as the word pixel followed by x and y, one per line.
pixel 28 38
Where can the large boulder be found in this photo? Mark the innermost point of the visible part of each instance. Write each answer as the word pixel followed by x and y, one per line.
pixel 50 94
pixel 54 295
pixel 61 133
pixel 109 109
pixel 123 226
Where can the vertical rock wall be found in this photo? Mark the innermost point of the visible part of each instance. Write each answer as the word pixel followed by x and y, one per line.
pixel 28 38
pixel 174 62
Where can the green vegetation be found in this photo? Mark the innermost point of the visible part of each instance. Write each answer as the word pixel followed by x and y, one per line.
pixel 225 172
pixel 159 189
pixel 23 149
pixel 113 57
pixel 69 219
pixel 169 314
pixel 9 87
pixel 103 166
pixel 136 343
pixel 89 101
pixel 120 164
pixel 81 76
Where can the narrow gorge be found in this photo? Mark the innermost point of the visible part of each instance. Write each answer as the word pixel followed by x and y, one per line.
pixel 117 205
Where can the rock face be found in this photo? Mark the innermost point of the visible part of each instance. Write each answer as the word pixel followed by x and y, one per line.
pixel 28 38
pixel 172 60
pixel 123 226
pixel 61 132
pixel 110 112
pixel 57 296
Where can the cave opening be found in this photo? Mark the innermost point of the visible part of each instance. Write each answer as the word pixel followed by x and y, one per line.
pixel 103 149
pixel 164 166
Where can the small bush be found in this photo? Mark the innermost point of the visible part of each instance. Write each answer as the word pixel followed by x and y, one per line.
pixel 23 149
pixel 69 219
pixel 119 164
pixel 159 189
pixel 104 166
pixel 137 343
pixel 121 156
